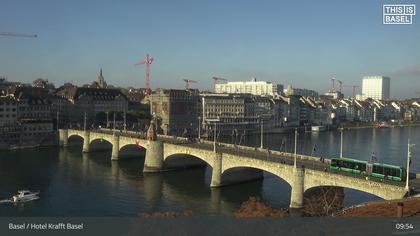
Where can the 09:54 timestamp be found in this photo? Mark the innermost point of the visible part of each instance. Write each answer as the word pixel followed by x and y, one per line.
pixel 404 226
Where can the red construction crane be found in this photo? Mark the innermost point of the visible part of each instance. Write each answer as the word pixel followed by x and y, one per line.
pixel 147 61
pixel 354 89
pixel 187 83
pixel 217 79
pixel 10 34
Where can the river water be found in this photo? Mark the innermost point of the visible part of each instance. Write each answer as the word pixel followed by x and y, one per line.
pixel 76 184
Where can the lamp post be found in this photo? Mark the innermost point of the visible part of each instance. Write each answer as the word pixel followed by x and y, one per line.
pixel 407 188
pixel 113 128
pixel 215 131
pixel 341 142
pixel 199 128
pixel 125 121
pixel 214 137
pixel 84 126
pixel 58 118
pixel 262 132
pixel 296 134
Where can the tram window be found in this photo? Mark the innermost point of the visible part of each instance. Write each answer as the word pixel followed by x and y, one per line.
pixel 378 169
pixel 395 172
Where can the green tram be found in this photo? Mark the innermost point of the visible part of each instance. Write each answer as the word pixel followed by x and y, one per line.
pixel 377 170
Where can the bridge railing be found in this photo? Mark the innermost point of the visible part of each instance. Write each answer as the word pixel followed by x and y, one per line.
pixel 141 134
pixel 271 152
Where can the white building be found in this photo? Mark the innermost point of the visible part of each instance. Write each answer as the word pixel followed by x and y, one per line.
pixel 290 91
pixel 334 94
pixel 376 87
pixel 253 87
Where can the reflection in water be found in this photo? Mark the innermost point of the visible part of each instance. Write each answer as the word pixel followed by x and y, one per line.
pixel 73 183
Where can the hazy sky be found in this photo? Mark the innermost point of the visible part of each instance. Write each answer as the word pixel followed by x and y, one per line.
pixel 303 43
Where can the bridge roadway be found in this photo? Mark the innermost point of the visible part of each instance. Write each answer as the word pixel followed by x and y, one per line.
pixel 232 164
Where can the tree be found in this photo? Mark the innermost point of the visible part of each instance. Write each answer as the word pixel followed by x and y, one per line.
pixel 323 201
pixel 43 83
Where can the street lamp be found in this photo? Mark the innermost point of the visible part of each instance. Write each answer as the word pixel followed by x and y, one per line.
pixel 107 120
pixel 215 131
pixel 408 165
pixel 113 129
pixel 58 118
pixel 295 160
pixel 341 144
pixel 84 127
pixel 262 132
pixel 125 122
pixel 199 128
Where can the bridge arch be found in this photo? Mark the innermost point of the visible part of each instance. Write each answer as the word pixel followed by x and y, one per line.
pixel 132 150
pixel 97 139
pixel 100 144
pixel 380 189
pixel 284 172
pixel 72 136
pixel 370 191
pixel 135 143
pixel 174 151
pixel 251 170
pixel 182 160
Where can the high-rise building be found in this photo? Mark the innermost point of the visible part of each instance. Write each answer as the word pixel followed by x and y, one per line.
pixel 376 87
pixel 252 87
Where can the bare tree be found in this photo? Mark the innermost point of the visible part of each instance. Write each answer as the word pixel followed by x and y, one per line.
pixel 323 201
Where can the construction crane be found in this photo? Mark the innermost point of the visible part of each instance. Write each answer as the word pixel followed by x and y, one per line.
pixel 10 34
pixel 217 79
pixel 187 83
pixel 147 61
pixel 354 89
pixel 333 83
pixel 341 85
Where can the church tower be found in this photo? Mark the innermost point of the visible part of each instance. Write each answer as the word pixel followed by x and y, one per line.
pixel 101 80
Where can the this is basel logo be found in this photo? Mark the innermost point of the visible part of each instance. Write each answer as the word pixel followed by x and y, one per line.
pixel 398 14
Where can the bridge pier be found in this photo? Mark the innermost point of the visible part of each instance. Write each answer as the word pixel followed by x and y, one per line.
pixel 63 137
pixel 154 157
pixel 296 198
pixel 115 148
pixel 216 176
pixel 86 141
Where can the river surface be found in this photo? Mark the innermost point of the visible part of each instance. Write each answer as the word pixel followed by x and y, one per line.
pixel 76 184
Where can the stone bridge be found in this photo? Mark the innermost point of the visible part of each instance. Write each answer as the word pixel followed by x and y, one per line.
pixel 232 164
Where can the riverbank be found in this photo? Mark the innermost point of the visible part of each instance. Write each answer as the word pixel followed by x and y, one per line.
pixel 374 125
pixel 384 208
pixel 49 140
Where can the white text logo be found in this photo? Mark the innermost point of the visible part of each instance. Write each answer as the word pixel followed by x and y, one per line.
pixel 398 14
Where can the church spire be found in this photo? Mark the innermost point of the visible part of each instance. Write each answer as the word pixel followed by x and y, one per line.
pixel 101 80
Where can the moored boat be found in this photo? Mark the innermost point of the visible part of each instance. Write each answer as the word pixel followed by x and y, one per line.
pixel 25 195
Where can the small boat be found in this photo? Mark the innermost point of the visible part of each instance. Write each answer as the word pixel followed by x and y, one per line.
pixel 318 128
pixel 383 125
pixel 25 196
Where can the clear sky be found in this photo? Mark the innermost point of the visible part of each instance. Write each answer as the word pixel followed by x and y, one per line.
pixel 303 43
